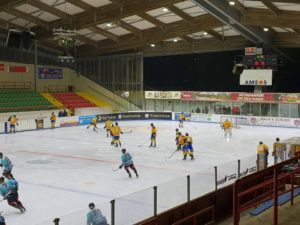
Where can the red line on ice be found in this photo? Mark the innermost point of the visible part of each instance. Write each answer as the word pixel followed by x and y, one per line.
pixel 98 160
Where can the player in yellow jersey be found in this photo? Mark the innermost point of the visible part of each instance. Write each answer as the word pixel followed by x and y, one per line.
pixel 263 153
pixel 190 148
pixel 177 135
pixel 52 120
pixel 108 125
pixel 278 150
pixel 181 119
pixel 13 121
pixel 153 135
pixel 183 143
pixel 116 132
pixel 93 124
pixel 227 126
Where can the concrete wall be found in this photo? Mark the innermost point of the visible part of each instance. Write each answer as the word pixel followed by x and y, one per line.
pixel 29 76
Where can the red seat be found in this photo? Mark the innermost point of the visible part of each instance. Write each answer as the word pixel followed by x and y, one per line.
pixel 72 100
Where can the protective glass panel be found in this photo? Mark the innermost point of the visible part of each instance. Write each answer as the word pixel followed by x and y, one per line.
pixel 227 173
pixel 135 207
pixel 202 183
pixel 248 165
pixel 171 194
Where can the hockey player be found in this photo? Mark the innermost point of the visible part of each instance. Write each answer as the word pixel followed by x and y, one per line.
pixel 116 132
pixel 153 135
pixel 53 120
pixel 227 126
pixel 181 119
pixel 263 153
pixel 93 124
pixel 183 144
pixel 95 217
pixel 108 125
pixel 7 166
pixel 127 163
pixel 2 220
pixel 13 121
pixel 190 148
pixel 9 191
pixel 178 134
pixel 278 150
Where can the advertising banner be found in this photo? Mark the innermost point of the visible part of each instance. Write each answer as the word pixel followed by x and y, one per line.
pixel 260 77
pixel 84 120
pixel 186 95
pixel 69 121
pixel 288 98
pixel 252 97
pixel 50 73
pixel 162 94
pixel 212 96
pixel 2 67
pixel 199 117
pixel 274 121
pixel 18 69
pixel 135 116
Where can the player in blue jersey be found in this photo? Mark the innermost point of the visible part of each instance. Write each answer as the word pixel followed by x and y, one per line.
pixel 127 163
pixel 9 191
pixel 95 217
pixel 7 166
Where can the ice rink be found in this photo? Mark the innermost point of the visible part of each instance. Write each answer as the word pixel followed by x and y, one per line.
pixel 60 171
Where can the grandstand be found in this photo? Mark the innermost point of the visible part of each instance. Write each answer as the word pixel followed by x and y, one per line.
pixel 86 59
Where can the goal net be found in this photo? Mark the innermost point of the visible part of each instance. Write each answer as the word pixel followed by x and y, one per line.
pixel 233 119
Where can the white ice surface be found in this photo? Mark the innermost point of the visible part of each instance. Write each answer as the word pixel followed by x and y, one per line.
pixel 60 171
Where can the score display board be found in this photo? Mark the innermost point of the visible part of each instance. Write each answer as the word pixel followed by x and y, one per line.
pixel 260 61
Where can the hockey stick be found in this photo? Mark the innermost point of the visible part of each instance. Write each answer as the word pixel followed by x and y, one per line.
pixel 172 154
pixel 143 142
pixel 127 132
pixel 115 169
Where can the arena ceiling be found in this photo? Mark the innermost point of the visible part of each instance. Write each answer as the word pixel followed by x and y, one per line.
pixel 158 27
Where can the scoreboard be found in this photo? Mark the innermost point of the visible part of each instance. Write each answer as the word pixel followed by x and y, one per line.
pixel 260 61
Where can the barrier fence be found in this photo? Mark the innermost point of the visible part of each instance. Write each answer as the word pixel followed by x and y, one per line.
pixel 138 206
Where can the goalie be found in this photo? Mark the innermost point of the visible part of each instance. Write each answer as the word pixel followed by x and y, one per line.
pixel 227 126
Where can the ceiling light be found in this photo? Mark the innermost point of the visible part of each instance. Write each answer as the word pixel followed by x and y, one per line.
pixel 231 2
pixel 165 9
pixel 266 29
pixel 108 24
pixel 175 40
pixel 152 45
pixel 205 33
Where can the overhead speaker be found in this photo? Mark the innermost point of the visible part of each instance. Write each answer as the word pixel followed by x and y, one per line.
pixel 14 38
pixel 27 38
